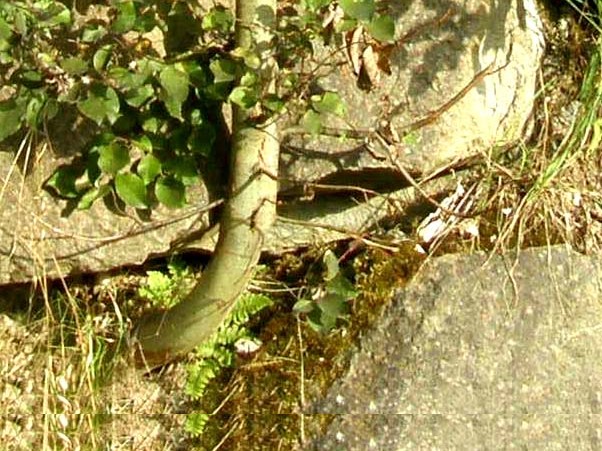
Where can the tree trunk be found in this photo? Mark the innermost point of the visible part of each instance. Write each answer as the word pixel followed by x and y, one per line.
pixel 249 212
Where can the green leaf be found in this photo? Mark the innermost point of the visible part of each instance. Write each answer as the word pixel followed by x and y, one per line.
pixel 197 75
pixel 53 14
pixel 249 56
pixel 248 79
pixel 62 181
pixel 102 103
pixel 183 169
pixel 101 57
pixel 382 28
pixel 223 70
pixel 149 67
pixel 345 25
pixel 112 158
pixel 273 103
pixel 333 305
pixel 51 109
pixel 74 65
pixel 32 113
pixel 320 321
pixel 341 286
pixel 304 306
pixel 149 168
pixel 312 122
pixel 243 97
pixel 358 9
pixel 5 30
pixel 175 90
pixel 152 124
pixel 138 96
pixel 170 192
pixel 332 265
pixel 92 195
pixel 218 19
pixel 94 34
pixel 131 189
pixel 126 17
pixel 31 79
pixel 144 143
pixel 329 102
pixel 126 79
pixel 21 23
pixel 11 115
pixel 196 117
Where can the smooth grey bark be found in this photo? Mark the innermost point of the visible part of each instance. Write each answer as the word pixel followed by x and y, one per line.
pixel 249 212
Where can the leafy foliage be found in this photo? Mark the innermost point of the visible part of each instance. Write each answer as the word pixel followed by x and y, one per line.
pixel 166 290
pixel 330 301
pixel 151 76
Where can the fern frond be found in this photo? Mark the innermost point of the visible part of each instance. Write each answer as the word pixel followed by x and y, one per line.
pixel 195 423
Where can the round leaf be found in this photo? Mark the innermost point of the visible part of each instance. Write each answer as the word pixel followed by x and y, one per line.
pixel 149 168
pixel 138 96
pixel 183 169
pixel 144 143
pixel 102 102
pixel 382 28
pixel 112 158
pixel 223 70
pixel 74 65
pixel 170 192
pixel 358 9
pixel 304 306
pixel 175 90
pixel 131 189
pixel 93 34
pixel 126 17
pixel 219 19
pixel 93 194
pixel 243 97
pixel 333 305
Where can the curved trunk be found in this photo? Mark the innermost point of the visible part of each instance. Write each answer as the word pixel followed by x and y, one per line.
pixel 249 211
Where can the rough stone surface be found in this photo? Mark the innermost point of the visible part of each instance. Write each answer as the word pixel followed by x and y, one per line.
pixel 441 47
pixel 478 354
pixel 37 240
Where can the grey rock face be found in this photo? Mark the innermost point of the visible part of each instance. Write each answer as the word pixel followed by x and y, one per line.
pixel 462 79
pixel 443 47
pixel 37 240
pixel 478 354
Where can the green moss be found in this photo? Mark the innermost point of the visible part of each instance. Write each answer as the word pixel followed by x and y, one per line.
pixel 264 392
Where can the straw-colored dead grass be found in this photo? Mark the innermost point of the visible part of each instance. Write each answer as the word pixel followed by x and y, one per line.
pixel 62 385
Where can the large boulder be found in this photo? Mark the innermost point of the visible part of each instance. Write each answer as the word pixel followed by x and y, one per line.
pixel 479 352
pixel 462 79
